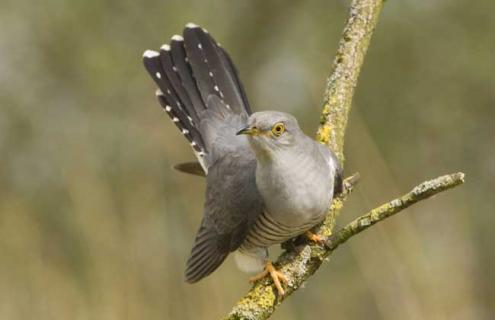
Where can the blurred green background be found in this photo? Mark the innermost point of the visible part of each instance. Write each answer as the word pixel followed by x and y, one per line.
pixel 94 223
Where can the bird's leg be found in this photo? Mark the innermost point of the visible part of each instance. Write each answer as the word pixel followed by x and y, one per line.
pixel 276 276
pixel 321 240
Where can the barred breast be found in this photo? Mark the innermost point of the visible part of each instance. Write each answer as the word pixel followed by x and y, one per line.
pixel 266 231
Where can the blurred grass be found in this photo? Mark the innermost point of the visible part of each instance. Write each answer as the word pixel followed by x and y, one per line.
pixel 95 225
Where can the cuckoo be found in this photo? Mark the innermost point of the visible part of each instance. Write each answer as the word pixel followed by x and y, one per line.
pixel 266 181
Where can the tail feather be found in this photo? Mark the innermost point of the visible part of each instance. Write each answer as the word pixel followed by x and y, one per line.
pixel 172 74
pixel 184 123
pixel 235 76
pixel 189 72
pixel 225 85
pixel 181 62
pixel 199 62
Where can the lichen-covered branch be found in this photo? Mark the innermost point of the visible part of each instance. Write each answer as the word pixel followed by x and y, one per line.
pixel 261 301
pixel 363 17
pixel 300 264
pixel 421 192
pixel 302 261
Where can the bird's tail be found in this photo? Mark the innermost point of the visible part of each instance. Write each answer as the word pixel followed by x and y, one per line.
pixel 190 71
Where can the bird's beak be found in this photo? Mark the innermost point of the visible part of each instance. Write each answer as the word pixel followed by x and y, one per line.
pixel 249 131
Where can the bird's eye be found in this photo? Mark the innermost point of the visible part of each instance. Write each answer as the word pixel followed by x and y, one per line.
pixel 278 129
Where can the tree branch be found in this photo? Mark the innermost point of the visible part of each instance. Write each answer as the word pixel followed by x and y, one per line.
pixel 421 192
pixel 363 17
pixel 298 265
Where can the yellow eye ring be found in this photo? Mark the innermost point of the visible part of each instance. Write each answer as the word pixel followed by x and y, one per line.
pixel 278 129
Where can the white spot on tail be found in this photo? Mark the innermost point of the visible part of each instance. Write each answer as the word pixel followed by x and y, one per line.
pixel 193 144
pixel 185 131
pixel 186 59
pixel 150 54
pixel 158 75
pixel 168 108
pixel 174 68
pixel 191 25
pixel 168 91
pixel 200 46
pixel 158 92
pixel 176 37
pixel 165 47
pixel 228 106
pixel 211 74
pixel 175 119
pixel 216 88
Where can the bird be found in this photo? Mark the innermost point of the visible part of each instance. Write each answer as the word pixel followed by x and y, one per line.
pixel 266 181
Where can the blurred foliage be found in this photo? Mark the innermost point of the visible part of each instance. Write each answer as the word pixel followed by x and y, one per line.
pixel 95 225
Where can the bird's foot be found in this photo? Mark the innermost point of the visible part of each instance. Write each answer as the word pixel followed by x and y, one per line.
pixel 319 239
pixel 277 276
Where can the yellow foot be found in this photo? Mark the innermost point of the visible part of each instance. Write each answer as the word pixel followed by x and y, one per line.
pixel 315 238
pixel 276 276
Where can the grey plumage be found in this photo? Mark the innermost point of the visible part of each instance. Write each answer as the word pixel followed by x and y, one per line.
pixel 265 183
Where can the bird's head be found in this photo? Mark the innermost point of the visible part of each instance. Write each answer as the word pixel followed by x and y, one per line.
pixel 271 130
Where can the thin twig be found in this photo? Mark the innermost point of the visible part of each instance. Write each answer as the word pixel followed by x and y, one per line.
pixel 421 192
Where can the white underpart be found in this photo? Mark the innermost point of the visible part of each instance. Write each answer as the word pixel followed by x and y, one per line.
pixel 248 263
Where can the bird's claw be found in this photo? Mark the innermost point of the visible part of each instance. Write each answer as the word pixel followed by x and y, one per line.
pixel 277 276
pixel 319 239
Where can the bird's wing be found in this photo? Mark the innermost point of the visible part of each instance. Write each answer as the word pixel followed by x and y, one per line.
pixel 232 204
pixel 335 168
pixel 201 92
pixel 338 181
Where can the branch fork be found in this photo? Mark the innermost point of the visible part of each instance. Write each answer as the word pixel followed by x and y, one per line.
pixel 300 264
